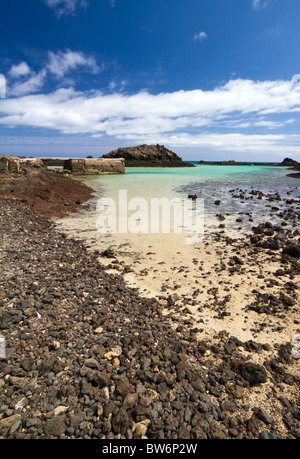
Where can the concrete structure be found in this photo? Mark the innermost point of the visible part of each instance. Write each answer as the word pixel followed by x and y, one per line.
pixel 16 164
pixel 76 166
pixel 91 166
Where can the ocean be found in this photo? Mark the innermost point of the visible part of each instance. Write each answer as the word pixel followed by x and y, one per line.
pixel 163 264
pixel 229 199
pixel 210 183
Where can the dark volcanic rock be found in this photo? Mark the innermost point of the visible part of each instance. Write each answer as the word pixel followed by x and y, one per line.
pixel 253 373
pixel 292 249
pixel 47 192
pixel 289 162
pixel 121 422
pixel 88 357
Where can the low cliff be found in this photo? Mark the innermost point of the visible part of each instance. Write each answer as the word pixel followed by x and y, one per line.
pixel 148 156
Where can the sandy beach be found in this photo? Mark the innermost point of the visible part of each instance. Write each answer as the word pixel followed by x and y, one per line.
pixel 203 282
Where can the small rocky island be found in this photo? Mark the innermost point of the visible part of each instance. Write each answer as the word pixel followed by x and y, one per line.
pixel 148 156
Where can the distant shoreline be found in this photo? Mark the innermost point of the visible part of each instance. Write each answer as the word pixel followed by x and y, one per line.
pixel 235 163
pixel 289 166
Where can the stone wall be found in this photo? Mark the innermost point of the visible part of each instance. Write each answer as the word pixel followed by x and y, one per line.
pixel 77 166
pixel 15 164
pixel 91 166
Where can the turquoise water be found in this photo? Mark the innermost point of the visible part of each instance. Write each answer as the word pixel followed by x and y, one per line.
pixel 227 184
pixel 163 262
pixel 141 181
pixel 204 174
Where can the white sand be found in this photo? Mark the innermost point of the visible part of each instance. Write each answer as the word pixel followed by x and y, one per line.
pixel 164 265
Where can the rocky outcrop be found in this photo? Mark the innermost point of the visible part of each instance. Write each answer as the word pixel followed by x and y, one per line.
pixel 293 166
pixel 289 162
pixel 148 156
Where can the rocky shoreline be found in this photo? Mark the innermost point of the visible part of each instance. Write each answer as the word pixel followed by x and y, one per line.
pixel 88 357
pixel 47 192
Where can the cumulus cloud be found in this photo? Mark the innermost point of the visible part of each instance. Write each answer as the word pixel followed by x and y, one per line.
pixel 181 117
pixel 232 142
pixel 65 7
pixel 200 36
pixel 31 85
pixel 19 70
pixel 238 116
pixel 62 62
pixel 23 80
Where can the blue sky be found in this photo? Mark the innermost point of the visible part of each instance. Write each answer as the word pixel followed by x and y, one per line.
pixel 209 79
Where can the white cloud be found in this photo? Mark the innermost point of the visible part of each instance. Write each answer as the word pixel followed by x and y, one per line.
pixel 216 118
pixel 63 62
pixel 2 87
pixel 259 4
pixel 232 142
pixel 19 70
pixel 58 65
pixel 65 7
pixel 29 86
pixel 22 80
pixel 256 4
pixel 201 36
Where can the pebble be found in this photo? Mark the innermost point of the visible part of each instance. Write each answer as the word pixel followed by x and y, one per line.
pixel 263 416
pixel 296 347
pixel 136 377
